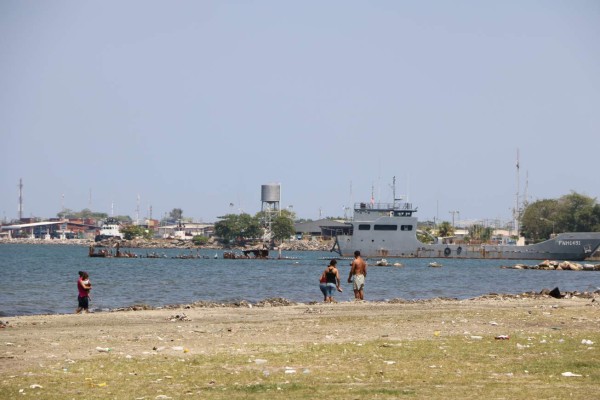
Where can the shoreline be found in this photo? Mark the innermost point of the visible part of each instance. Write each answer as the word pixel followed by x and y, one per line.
pixel 275 302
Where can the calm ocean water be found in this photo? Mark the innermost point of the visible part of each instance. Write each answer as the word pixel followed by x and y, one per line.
pixel 41 279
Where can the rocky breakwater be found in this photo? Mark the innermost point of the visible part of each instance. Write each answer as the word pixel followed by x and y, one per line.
pixel 306 245
pixel 294 245
pixel 549 265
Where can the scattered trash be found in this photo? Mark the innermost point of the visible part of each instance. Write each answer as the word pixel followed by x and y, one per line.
pixel 35 386
pixel 103 349
pixel 587 341
pixel 289 370
pixel 390 362
pixel 493 323
pixel 179 317
pixel 570 374
pixel 556 293
pixel 502 337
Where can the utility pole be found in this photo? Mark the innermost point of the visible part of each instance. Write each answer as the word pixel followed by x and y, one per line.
pixel 20 210
pixel 453 213
pixel 517 210
pixel 137 211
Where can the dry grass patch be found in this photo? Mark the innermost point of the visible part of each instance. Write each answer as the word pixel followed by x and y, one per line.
pixel 457 366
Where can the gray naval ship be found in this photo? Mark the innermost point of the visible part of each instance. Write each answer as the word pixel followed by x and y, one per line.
pixel 390 230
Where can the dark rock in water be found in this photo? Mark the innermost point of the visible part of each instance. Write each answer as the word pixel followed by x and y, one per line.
pixel 555 293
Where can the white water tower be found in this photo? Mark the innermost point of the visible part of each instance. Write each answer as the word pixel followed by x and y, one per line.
pixel 271 200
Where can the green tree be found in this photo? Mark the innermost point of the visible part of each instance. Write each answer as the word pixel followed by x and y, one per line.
pixel 570 213
pixel 135 231
pixel 176 214
pixel 282 227
pixel 539 220
pixel 200 240
pixel 249 227
pixel 445 229
pixel 577 213
pixel 238 228
pixel 480 232
pixel 85 213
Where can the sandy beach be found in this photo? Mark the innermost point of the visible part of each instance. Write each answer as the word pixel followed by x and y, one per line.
pixel 29 341
pixel 32 344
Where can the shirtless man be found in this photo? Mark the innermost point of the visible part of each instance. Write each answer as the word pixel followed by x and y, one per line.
pixel 358 269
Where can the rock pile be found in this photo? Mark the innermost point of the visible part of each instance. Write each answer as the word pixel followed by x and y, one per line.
pixel 307 245
pixel 557 266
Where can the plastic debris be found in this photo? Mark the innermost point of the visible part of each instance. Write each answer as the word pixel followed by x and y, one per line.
pixel 103 349
pixel 570 374
pixel 35 386
pixel 587 341
pixel 179 317
pixel 502 337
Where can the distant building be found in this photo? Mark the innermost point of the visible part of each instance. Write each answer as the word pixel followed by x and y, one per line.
pixel 186 230
pixel 323 228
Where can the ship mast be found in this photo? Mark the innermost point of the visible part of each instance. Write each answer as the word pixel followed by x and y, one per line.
pixel 394 192
pixel 516 211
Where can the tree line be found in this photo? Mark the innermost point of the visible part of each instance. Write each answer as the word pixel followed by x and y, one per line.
pixel 574 212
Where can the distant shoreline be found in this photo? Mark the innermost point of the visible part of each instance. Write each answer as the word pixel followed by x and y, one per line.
pixel 299 245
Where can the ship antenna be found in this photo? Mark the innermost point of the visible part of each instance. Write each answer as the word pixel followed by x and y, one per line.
pixel 394 191
pixel 516 212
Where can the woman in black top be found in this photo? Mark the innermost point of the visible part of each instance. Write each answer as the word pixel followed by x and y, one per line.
pixel 331 276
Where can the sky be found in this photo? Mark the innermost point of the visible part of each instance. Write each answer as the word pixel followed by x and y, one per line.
pixel 124 107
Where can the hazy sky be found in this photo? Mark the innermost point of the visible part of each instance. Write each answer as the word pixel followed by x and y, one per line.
pixel 196 104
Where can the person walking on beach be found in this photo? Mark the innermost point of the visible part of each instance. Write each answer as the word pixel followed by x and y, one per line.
pixel 83 287
pixel 358 270
pixel 331 276
pixel 323 286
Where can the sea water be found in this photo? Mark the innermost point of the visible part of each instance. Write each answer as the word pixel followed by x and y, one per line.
pixel 42 279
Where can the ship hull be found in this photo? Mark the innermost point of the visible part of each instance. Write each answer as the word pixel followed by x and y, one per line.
pixel 566 246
